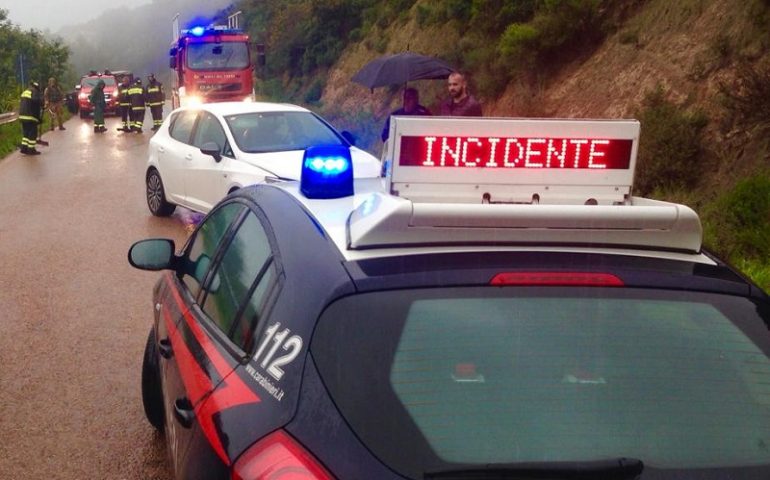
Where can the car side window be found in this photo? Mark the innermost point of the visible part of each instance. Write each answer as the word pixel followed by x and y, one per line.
pixel 182 126
pixel 243 332
pixel 243 266
pixel 203 247
pixel 209 130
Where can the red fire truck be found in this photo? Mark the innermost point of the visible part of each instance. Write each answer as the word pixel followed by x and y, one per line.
pixel 211 64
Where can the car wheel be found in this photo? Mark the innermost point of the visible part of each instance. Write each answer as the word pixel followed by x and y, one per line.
pixel 156 196
pixel 152 395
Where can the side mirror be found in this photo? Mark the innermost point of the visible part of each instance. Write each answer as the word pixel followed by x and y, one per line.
pixel 152 254
pixel 348 136
pixel 211 148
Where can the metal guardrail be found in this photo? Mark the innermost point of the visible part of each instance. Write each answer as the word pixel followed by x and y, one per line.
pixel 8 117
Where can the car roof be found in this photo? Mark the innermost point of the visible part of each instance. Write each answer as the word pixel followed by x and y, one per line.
pixel 235 108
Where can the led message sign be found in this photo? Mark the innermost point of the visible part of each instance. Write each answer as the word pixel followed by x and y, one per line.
pixel 515 152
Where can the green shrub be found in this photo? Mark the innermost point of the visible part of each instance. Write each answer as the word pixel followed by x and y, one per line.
pixel 627 37
pixel 670 147
pixel 423 14
pixel 313 94
pixel 749 95
pixel 272 89
pixel 721 47
pixel 757 270
pixel 737 223
pixel 493 16
pixel 558 30
pixel 518 45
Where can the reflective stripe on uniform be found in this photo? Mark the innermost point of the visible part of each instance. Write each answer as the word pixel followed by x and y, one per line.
pixel 28 118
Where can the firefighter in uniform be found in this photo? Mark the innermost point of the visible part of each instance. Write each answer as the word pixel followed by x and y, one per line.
pixel 155 98
pixel 30 116
pixel 124 104
pixel 137 100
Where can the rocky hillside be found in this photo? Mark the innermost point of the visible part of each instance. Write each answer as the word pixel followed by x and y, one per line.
pixel 687 48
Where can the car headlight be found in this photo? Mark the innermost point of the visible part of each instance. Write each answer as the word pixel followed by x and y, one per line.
pixel 83 96
pixel 192 100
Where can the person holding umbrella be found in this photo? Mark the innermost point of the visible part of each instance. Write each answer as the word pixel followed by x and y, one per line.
pixel 411 107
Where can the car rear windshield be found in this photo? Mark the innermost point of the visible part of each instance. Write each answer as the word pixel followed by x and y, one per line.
pixel 434 379
pixel 261 132
pixel 92 81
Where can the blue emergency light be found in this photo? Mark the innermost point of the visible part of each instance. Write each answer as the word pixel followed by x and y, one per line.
pixel 197 31
pixel 327 172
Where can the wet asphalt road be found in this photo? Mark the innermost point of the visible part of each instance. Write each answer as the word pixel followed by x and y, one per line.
pixel 74 315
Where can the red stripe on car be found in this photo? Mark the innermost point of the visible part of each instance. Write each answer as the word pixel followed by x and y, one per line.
pixel 230 393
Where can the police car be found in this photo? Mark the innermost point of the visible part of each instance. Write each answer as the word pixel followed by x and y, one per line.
pixel 498 305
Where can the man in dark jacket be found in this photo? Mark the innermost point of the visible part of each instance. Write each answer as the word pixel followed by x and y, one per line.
pixel 97 100
pixel 30 116
pixel 137 100
pixel 124 104
pixel 460 102
pixel 155 98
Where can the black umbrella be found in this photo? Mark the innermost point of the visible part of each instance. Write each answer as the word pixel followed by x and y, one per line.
pixel 401 68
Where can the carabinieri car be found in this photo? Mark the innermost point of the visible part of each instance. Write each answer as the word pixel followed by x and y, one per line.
pixel 497 306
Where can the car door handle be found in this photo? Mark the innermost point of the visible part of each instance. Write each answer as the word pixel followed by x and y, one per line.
pixel 188 157
pixel 183 412
pixel 161 150
pixel 164 347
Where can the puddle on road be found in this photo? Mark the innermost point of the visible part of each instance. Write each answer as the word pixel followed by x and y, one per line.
pixel 188 218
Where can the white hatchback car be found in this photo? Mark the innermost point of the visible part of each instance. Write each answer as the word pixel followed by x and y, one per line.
pixel 202 153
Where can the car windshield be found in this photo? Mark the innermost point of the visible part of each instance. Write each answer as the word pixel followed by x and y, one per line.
pixel 91 82
pixel 218 56
pixel 280 131
pixel 434 379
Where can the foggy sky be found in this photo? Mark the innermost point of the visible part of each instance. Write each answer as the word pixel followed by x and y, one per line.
pixel 54 14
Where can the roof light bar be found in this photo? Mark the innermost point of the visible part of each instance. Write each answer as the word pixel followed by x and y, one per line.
pixel 386 220
pixel 327 172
